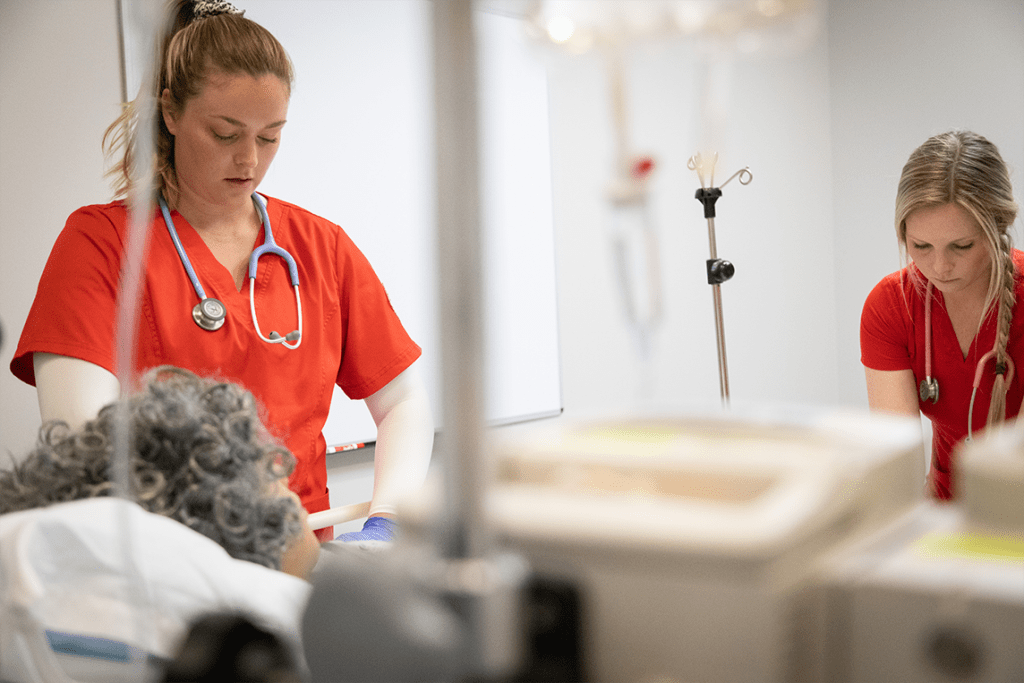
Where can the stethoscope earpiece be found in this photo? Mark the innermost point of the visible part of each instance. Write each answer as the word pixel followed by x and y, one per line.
pixel 274 336
pixel 209 314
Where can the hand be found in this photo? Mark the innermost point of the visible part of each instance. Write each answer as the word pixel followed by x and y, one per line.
pixel 376 531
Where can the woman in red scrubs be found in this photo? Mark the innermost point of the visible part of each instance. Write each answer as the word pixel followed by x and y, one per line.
pixel 223 97
pixel 945 335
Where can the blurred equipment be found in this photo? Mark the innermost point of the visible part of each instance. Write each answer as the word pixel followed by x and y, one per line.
pixel 743 25
pixel 230 647
pixel 719 270
pixel 928 598
pixel 692 543
pixel 369 620
pixel 787 546
pixel 992 481
pixel 633 235
pixel 939 595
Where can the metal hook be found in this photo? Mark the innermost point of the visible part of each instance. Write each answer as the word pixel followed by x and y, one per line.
pixel 745 176
pixel 696 163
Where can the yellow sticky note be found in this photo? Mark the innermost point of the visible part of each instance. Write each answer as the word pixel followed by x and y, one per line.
pixel 973 546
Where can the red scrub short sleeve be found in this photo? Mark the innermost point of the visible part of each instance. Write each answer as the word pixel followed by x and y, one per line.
pixel 886 328
pixel 376 346
pixel 76 320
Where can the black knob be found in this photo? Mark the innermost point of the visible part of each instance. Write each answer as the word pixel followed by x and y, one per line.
pixel 719 270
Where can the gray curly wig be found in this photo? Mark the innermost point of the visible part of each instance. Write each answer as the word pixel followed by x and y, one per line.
pixel 199 454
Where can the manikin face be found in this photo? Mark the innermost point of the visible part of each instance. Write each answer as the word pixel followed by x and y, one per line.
pixel 226 137
pixel 950 249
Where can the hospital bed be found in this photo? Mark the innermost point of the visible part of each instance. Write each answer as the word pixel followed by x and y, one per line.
pixel 101 590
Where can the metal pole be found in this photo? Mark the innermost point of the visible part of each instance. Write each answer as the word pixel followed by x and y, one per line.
pixel 484 587
pixel 719 270
pixel 716 291
pixel 462 533
pixel 146 19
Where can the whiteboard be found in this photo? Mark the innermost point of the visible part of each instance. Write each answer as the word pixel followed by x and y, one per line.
pixel 358 150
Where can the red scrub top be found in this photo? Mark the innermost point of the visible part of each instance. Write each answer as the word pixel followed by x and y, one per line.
pixel 892 338
pixel 351 336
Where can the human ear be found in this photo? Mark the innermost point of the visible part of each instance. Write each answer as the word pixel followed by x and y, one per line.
pixel 166 110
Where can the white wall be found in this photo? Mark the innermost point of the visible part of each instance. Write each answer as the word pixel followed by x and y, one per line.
pixel 59 89
pixel 825 132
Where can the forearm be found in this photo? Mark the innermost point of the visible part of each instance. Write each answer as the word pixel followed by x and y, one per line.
pixel 405 438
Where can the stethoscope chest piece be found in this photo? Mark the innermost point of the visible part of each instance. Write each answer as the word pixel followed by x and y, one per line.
pixel 929 390
pixel 209 314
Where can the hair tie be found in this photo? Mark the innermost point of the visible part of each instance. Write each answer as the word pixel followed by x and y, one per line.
pixel 211 8
pixel 1001 368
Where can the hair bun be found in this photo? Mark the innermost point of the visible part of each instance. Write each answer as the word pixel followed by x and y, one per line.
pixel 211 8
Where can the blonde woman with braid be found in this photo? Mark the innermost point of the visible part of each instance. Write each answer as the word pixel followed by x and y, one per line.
pixel 944 336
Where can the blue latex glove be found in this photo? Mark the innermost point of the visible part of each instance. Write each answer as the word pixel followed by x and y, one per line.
pixel 375 530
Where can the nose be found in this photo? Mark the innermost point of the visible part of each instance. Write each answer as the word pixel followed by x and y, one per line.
pixel 246 154
pixel 943 263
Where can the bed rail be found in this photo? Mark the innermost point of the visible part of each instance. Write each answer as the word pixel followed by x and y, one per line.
pixel 338 515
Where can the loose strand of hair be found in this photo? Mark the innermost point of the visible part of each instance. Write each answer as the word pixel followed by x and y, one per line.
pixel 118 137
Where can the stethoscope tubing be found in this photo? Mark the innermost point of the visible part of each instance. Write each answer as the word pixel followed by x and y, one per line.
pixel 291 336
pixel 200 292
pixel 269 246
pixel 929 388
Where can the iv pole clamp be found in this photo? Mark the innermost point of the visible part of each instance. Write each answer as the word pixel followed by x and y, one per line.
pixel 718 270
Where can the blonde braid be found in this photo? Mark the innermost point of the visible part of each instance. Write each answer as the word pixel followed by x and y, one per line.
pixel 1007 299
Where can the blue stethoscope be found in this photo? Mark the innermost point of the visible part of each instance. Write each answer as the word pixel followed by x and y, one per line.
pixel 210 313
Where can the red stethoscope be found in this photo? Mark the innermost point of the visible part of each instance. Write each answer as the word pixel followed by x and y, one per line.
pixel 929 387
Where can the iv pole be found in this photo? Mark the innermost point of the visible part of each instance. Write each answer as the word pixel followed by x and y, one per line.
pixel 719 270
pixel 483 582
